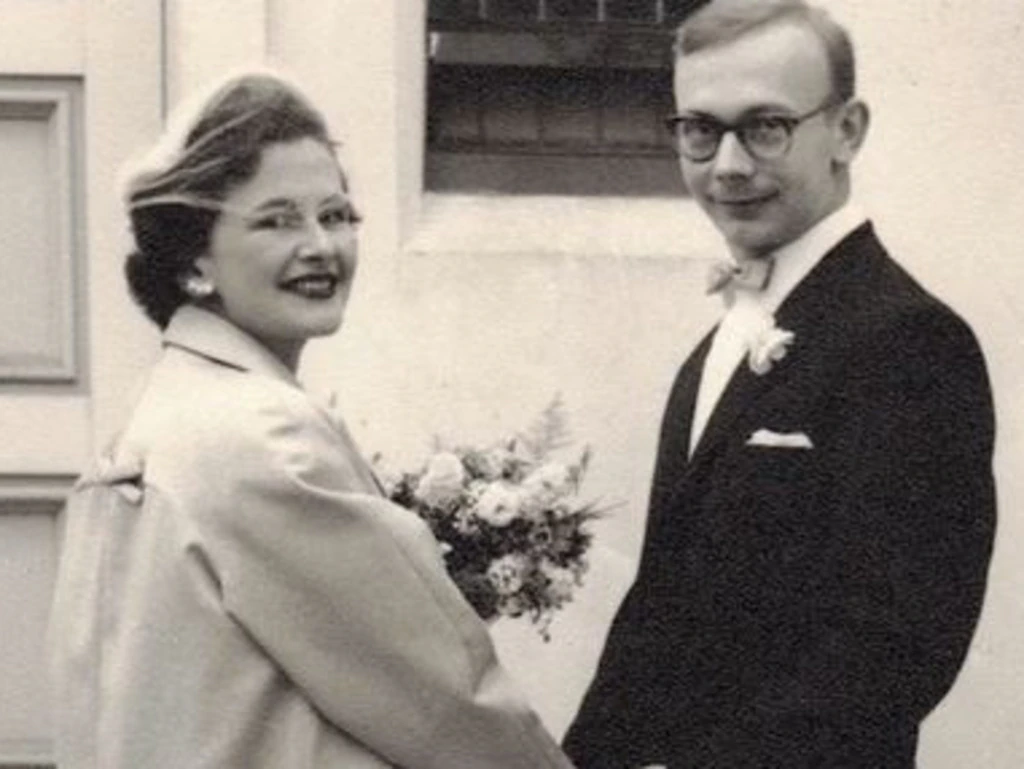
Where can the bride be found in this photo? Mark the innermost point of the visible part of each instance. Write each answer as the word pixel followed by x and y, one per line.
pixel 234 591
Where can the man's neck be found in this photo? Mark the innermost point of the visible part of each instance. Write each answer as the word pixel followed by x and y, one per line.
pixel 796 259
pixel 840 201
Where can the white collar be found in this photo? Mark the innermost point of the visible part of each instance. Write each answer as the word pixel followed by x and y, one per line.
pixel 207 334
pixel 795 260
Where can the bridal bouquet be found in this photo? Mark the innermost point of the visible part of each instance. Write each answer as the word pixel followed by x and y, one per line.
pixel 512 530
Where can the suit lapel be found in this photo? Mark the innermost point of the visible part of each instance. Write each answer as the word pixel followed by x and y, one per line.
pixel 742 390
pixel 689 384
pixel 674 443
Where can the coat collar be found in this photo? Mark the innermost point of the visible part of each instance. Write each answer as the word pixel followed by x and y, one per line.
pixel 207 334
pixel 795 261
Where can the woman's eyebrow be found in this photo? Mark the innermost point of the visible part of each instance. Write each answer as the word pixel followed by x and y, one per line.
pixel 335 197
pixel 274 203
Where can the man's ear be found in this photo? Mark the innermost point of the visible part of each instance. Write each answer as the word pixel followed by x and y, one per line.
pixel 851 130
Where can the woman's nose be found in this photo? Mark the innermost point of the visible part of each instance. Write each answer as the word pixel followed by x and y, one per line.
pixel 319 242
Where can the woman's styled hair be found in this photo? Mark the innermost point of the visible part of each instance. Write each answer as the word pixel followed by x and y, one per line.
pixel 722 21
pixel 174 202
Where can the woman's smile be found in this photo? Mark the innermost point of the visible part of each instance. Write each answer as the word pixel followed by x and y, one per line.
pixel 317 287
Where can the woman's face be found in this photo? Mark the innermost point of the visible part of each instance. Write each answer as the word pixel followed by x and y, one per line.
pixel 282 253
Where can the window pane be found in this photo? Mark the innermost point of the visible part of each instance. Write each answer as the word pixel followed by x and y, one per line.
pixel 638 49
pixel 632 10
pixel 677 10
pixel 509 101
pixel 572 9
pixel 553 175
pixel 511 48
pixel 515 10
pixel 637 103
pixel 454 116
pixel 454 10
pixel 571 108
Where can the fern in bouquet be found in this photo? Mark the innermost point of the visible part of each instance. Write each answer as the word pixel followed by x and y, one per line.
pixel 508 519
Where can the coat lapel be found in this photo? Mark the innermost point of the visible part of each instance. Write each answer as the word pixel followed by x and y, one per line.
pixel 674 443
pixel 688 385
pixel 743 389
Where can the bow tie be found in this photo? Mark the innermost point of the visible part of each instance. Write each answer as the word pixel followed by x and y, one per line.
pixel 751 275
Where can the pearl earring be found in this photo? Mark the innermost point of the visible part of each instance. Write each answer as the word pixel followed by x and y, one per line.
pixel 198 287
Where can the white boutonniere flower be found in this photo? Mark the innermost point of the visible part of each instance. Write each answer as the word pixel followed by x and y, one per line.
pixel 767 344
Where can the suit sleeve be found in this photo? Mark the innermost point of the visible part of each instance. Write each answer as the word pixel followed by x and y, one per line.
pixel 348 595
pixel 913 514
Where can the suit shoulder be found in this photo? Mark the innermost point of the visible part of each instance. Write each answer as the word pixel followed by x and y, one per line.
pixel 914 346
pixel 895 307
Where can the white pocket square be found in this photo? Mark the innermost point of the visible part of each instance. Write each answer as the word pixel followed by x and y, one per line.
pixel 772 439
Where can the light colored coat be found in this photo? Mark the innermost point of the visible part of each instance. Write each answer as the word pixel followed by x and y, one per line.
pixel 234 592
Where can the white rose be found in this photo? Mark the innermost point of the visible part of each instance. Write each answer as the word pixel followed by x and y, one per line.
pixel 499 504
pixel 442 481
pixel 548 482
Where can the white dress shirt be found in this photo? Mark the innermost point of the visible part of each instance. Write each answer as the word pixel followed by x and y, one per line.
pixel 793 262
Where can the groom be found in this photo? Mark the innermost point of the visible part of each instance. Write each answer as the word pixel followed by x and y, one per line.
pixel 822 510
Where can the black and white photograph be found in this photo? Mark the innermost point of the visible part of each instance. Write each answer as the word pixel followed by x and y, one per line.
pixel 511 384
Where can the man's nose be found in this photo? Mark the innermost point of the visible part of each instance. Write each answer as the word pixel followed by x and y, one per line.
pixel 732 158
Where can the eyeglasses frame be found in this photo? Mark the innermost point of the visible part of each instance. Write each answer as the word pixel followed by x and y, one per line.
pixel 791 123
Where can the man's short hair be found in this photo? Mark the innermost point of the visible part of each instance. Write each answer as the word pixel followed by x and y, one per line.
pixel 722 21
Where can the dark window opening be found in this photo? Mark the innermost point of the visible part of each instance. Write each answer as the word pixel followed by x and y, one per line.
pixel 552 96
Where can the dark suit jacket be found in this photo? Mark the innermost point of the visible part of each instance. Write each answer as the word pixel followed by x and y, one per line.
pixel 808 607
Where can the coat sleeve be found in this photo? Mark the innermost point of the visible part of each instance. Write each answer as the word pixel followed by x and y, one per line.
pixel 913 513
pixel 347 594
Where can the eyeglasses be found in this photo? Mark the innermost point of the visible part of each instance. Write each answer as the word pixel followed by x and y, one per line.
pixel 764 137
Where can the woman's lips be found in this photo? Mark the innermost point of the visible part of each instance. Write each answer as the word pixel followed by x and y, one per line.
pixel 313 286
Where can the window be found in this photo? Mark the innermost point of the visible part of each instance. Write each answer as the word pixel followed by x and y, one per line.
pixel 552 96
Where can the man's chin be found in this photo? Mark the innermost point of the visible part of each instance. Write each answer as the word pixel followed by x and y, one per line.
pixel 751 238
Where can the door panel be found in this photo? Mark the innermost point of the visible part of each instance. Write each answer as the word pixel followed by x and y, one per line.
pixel 80 80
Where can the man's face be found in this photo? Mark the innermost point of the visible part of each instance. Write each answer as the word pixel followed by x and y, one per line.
pixel 759 205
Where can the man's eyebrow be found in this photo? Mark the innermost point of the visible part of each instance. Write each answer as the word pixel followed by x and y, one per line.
pixel 755 111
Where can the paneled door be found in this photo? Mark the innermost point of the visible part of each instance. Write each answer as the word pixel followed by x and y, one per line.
pixel 81 83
